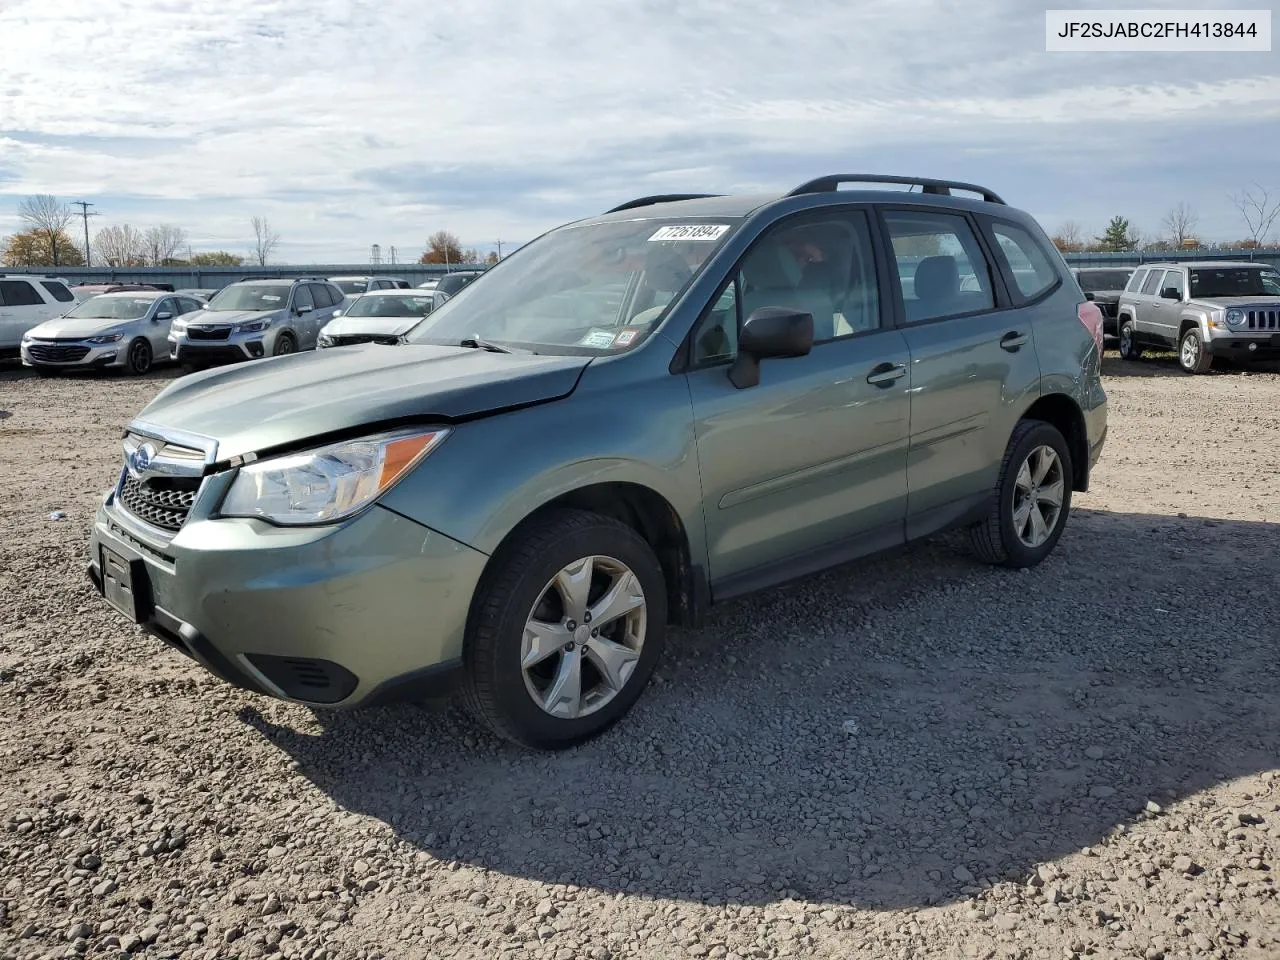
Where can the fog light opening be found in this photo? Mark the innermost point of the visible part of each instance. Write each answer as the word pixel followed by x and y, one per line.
pixel 1253 347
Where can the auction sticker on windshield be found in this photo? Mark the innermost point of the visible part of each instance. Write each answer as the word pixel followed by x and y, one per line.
pixel 691 231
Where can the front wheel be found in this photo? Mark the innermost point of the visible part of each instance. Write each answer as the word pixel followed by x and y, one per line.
pixel 565 631
pixel 1032 498
pixel 1192 356
pixel 1129 349
pixel 284 345
pixel 137 359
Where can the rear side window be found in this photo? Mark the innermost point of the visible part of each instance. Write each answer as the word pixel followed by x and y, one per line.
pixel 19 293
pixel 1152 285
pixel 941 266
pixel 1027 262
pixel 321 295
pixel 60 292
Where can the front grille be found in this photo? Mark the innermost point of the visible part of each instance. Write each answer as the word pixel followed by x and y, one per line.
pixel 220 333
pixel 57 353
pixel 1264 319
pixel 354 338
pixel 163 502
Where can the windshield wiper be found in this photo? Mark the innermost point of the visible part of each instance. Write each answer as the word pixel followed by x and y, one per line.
pixel 479 343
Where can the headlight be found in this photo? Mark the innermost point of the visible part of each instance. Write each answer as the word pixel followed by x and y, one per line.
pixel 253 326
pixel 324 340
pixel 329 483
pixel 1235 318
pixel 178 326
pixel 105 338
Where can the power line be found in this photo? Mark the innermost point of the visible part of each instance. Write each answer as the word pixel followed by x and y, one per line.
pixel 85 215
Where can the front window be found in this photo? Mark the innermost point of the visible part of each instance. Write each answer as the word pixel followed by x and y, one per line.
pixel 585 289
pixel 251 296
pixel 1235 282
pixel 1091 281
pixel 110 308
pixel 409 305
pixel 351 286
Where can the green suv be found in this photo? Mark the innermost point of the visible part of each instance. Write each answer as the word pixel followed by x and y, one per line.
pixel 632 417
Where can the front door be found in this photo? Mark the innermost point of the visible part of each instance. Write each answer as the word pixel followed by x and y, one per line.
pixel 812 459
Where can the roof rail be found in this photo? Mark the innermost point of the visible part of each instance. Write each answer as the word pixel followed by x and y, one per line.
pixel 661 198
pixel 938 187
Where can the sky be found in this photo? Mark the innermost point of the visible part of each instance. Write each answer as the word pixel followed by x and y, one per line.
pixel 350 123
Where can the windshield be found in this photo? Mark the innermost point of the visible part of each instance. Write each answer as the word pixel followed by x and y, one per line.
pixel 352 286
pixel 1091 280
pixel 591 288
pixel 409 305
pixel 1235 282
pixel 111 308
pixel 251 296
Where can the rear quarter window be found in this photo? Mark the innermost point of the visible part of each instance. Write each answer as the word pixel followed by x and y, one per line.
pixel 57 290
pixel 1025 260
pixel 1135 282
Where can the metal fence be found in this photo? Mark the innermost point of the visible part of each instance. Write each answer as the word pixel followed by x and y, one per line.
pixel 1270 255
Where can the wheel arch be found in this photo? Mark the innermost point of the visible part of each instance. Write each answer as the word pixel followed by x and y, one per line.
pixel 1063 412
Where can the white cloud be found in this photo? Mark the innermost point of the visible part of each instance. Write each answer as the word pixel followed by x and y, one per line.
pixel 350 123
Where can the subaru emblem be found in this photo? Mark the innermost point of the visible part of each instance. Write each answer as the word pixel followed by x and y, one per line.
pixel 140 459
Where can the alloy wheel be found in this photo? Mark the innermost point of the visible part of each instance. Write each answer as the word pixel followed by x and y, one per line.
pixel 1190 352
pixel 583 637
pixel 1037 497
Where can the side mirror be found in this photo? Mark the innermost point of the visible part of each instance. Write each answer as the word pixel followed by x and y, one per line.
pixel 1171 293
pixel 164 315
pixel 337 313
pixel 769 332
pixel 299 310
pixel 1088 295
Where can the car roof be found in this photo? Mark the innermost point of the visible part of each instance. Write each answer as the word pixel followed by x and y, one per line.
pixel 395 291
pixel 1207 264
pixel 133 294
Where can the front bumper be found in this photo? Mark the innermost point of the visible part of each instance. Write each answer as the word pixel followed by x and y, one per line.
pixel 235 348
pixel 69 354
pixel 364 612
pixel 1244 346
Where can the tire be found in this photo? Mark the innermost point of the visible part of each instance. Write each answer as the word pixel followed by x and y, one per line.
pixel 998 539
pixel 1192 356
pixel 137 357
pixel 1130 349
pixel 284 345
pixel 519 586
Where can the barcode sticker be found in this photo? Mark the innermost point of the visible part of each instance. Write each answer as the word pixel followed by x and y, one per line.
pixel 691 231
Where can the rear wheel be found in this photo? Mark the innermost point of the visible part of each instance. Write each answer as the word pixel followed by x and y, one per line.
pixel 137 358
pixel 1192 356
pixel 565 631
pixel 1032 498
pixel 1129 348
pixel 284 345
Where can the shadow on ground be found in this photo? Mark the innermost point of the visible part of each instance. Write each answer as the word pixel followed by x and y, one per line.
pixel 1003 719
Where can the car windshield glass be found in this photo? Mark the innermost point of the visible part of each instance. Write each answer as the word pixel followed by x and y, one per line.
pixel 589 288
pixel 1091 280
pixel 409 305
pixel 251 296
pixel 111 308
pixel 351 286
pixel 1234 282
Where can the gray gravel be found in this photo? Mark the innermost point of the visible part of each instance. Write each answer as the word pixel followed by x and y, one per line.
pixel 913 756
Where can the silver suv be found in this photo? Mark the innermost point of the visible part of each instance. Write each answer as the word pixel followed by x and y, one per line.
pixel 1202 309
pixel 253 319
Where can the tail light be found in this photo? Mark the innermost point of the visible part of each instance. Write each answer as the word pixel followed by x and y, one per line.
pixel 1091 316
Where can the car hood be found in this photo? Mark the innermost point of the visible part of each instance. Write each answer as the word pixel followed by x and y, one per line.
pixel 1223 303
pixel 264 404
pixel 224 317
pixel 78 327
pixel 381 326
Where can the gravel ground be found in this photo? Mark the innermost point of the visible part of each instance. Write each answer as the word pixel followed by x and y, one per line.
pixel 913 756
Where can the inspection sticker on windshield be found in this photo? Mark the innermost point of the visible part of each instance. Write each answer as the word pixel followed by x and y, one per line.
pixel 691 231
pixel 597 338
pixel 625 336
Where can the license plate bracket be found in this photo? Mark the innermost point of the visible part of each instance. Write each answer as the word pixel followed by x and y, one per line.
pixel 125 584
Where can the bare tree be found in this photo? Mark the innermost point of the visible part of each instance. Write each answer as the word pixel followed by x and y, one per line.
pixel 265 240
pixel 1070 237
pixel 162 243
pixel 1181 222
pixel 48 218
pixel 1259 211
pixel 120 246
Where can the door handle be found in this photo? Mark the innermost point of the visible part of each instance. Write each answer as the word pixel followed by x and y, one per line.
pixel 886 373
pixel 1012 340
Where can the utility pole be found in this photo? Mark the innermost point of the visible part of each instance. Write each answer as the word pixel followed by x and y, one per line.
pixel 499 242
pixel 393 253
pixel 85 215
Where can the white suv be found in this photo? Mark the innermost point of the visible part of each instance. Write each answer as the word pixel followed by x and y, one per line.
pixel 26 301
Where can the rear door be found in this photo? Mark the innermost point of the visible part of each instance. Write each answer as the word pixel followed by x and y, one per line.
pixel 973 359
pixel 808 465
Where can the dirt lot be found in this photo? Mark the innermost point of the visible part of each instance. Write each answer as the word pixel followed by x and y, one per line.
pixel 913 756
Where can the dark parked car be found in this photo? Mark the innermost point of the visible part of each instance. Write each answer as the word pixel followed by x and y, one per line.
pixel 1103 285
